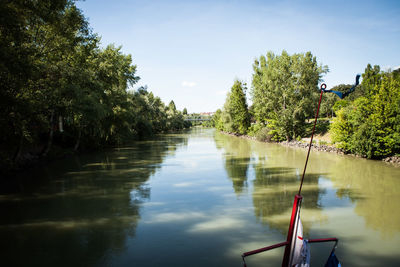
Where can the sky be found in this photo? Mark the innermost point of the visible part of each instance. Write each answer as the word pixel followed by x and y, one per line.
pixel 192 51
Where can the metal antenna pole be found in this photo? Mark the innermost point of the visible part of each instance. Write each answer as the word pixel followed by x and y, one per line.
pixel 323 87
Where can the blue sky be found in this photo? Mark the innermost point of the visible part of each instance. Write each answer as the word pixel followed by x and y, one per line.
pixel 192 51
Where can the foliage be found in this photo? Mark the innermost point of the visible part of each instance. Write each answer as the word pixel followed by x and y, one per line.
pixel 264 133
pixel 235 116
pixel 59 87
pixel 339 104
pixel 175 120
pixel 331 103
pixel 254 128
pixel 370 125
pixel 341 130
pixel 284 90
pixel 217 120
pixel 371 77
pixel 275 131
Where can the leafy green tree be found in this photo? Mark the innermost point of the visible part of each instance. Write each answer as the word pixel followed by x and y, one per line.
pixel 239 109
pixel 115 73
pixel 371 77
pixel 341 130
pixel 184 112
pixel 217 120
pixel 284 91
pixel 83 109
pixel 370 125
pixel 40 39
pixel 236 116
pixel 175 120
pixel 171 106
pixel 379 135
pixel 59 87
pixel 226 117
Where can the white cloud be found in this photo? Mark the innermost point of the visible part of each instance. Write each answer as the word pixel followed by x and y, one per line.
pixel 218 224
pixel 169 217
pixel 188 84
pixel 188 184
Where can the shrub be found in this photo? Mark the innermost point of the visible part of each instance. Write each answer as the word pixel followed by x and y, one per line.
pixel 370 126
pixel 264 135
pixel 341 130
pixel 254 129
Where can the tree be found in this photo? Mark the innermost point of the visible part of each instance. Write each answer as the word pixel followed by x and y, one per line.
pixel 171 106
pixel 285 90
pixel 371 78
pixel 40 38
pixel 237 116
pixel 370 125
pixel 226 117
pixel 184 112
pixel 331 103
pixel 59 87
pixel 115 73
pixel 217 120
pixel 175 120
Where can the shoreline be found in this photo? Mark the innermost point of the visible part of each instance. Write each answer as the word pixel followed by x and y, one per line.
pixel 392 160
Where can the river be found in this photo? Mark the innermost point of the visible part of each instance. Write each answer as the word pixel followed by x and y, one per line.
pixel 198 198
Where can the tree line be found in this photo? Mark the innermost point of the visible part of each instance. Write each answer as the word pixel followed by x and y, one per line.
pixel 284 92
pixel 369 125
pixel 61 89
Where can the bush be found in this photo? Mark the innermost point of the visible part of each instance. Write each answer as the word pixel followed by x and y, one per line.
pixel 370 126
pixel 254 129
pixel 341 130
pixel 264 135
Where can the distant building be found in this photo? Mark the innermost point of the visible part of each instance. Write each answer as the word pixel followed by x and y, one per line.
pixel 207 113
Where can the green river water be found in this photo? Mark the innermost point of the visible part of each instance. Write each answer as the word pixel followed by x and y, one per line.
pixel 198 198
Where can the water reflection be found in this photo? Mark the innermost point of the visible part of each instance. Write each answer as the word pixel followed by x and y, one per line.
pixel 373 187
pixel 237 157
pixel 282 178
pixel 80 211
pixel 344 196
pixel 275 182
pixel 195 199
pixel 370 185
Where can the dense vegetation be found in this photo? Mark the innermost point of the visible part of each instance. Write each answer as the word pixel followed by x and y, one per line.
pixel 284 88
pixel 370 124
pixel 285 92
pixel 235 117
pixel 59 87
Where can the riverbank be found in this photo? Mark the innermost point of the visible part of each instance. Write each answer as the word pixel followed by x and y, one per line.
pixel 317 146
pixel 32 157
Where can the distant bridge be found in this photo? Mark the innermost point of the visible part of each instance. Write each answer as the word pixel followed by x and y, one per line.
pixel 198 118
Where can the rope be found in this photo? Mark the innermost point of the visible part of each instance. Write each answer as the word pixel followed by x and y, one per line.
pixel 323 86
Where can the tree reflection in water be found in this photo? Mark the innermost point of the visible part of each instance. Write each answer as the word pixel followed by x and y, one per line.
pixel 237 157
pixel 275 181
pixel 79 211
pixel 86 210
pixel 373 187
